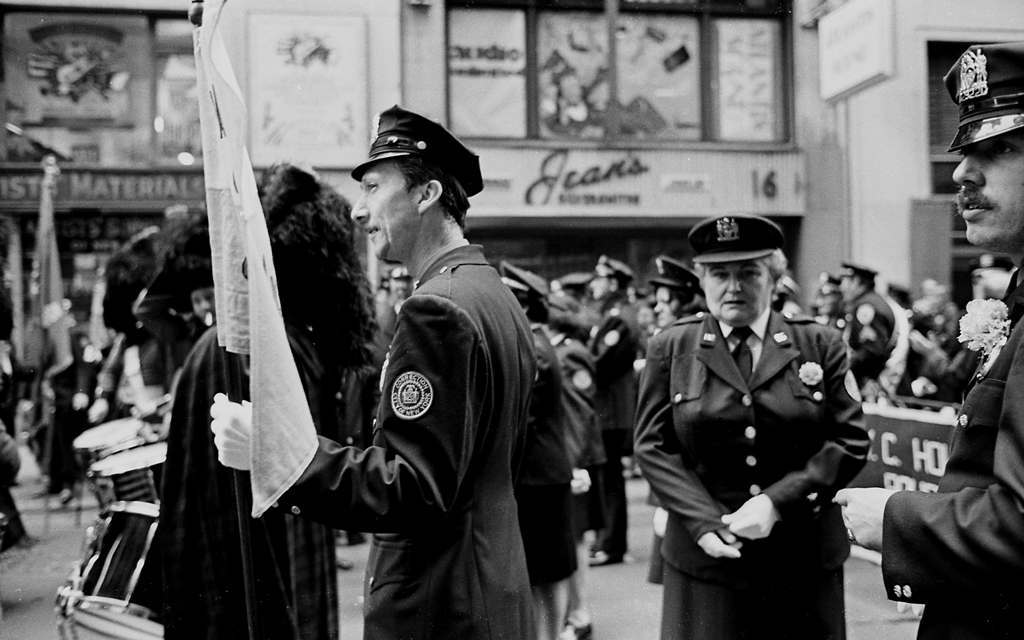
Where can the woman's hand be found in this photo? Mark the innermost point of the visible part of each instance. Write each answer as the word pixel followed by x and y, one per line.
pixel 720 544
pixel 754 519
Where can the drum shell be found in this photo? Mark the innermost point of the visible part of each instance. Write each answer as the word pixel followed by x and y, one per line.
pixel 129 476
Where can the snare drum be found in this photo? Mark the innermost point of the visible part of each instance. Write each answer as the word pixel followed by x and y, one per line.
pixel 117 594
pixel 132 475
pixel 106 439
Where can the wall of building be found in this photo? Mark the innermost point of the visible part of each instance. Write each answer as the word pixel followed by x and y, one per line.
pixel 888 146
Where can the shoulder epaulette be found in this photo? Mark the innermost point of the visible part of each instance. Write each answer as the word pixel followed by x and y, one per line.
pixel 697 317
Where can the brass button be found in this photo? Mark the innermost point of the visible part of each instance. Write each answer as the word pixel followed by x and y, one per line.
pixel 818 396
pixel 755 489
pixel 747 400
pixel 443 269
pixel 962 419
pixel 750 432
pixel 296 511
pixel 751 461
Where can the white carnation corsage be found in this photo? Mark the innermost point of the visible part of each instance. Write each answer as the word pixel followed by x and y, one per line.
pixel 985 328
pixel 811 373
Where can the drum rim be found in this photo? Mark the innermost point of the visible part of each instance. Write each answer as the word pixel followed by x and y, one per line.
pixel 100 446
pixel 100 467
pixel 134 507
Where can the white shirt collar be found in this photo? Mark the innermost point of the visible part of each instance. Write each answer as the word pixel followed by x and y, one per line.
pixel 759 326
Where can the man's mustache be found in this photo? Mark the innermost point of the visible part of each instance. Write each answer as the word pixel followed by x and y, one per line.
pixel 970 199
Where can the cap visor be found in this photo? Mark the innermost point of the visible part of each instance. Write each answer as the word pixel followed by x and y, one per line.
pixel 358 172
pixel 732 256
pixel 985 128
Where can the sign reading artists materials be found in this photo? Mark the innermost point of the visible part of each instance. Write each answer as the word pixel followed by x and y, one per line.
pixel 638 182
pixel 909 448
pixel 855 47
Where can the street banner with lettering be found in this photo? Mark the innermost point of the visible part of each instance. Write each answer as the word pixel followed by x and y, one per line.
pixel 284 437
pixel 909 447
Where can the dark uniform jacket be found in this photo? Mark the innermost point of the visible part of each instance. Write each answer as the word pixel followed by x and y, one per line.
pixel 437 483
pixel 707 441
pixel 585 447
pixel 546 459
pixel 615 346
pixel 872 327
pixel 961 550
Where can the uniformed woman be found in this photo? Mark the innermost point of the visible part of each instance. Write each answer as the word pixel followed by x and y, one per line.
pixel 748 422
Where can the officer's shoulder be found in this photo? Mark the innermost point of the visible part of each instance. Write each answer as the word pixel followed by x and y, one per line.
pixel 696 318
pixel 798 318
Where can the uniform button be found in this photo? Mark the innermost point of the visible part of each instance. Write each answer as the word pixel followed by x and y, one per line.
pixel 962 419
pixel 906 591
pixel 275 505
pixel 812 496
pixel 339 396
pixel 897 590
pixel 751 461
pixel 817 395
pixel 755 489
pixel 443 269
pixel 677 398
pixel 747 400
pixel 295 510
pixel 750 432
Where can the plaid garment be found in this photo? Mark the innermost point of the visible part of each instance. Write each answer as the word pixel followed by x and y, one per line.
pixel 198 539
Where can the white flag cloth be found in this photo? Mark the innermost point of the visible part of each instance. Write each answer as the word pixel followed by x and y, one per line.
pixel 249 319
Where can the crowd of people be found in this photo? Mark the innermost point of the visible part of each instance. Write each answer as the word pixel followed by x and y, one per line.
pixel 481 422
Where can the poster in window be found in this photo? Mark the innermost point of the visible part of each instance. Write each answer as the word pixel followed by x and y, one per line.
pixel 308 99
pixel 487 72
pixel 748 78
pixel 65 68
pixel 177 107
pixel 572 60
pixel 658 60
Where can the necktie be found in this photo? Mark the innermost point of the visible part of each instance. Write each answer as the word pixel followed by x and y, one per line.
pixel 741 353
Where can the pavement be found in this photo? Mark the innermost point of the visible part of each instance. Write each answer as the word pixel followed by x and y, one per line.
pixel 624 605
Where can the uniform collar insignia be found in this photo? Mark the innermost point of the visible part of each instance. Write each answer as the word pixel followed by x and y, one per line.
pixel 780 337
pixel 973 76
pixel 709 338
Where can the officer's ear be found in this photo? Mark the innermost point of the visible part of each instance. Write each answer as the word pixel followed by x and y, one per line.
pixel 430 193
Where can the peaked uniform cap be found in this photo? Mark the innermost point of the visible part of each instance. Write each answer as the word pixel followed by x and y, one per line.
pixel 734 238
pixel 673 274
pixel 610 267
pixel 987 82
pixel 520 279
pixel 400 133
pixel 851 269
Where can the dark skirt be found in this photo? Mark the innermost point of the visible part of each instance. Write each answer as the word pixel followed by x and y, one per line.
pixel 588 508
pixel 545 520
pixel 805 604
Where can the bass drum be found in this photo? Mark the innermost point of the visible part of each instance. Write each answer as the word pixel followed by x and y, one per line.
pixel 117 594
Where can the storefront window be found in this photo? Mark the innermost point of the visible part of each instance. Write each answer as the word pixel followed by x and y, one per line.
pixel 658 67
pixel 747 97
pixel 678 70
pixel 81 86
pixel 572 74
pixel 487 72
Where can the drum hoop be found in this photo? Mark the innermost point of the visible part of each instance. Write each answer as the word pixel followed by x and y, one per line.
pixel 135 507
pixel 107 466
pixel 101 606
pixel 99 446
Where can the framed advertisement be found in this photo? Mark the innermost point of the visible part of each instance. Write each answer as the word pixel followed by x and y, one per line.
pixel 307 89
pixel 64 69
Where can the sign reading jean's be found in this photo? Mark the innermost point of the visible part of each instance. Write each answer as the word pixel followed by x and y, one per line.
pixel 909 448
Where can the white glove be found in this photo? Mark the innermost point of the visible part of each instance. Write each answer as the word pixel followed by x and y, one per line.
pixel 232 431
pixel 754 519
pixel 720 544
pixel 99 410
pixel 580 481
pixel 660 522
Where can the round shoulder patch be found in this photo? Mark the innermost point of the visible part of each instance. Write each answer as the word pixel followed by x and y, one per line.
pixel 411 395
pixel 865 314
pixel 582 380
pixel 611 338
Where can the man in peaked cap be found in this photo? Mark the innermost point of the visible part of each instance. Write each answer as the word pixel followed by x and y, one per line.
pixel 615 345
pixel 958 550
pixel 870 326
pixel 677 291
pixel 436 484
pixel 543 489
